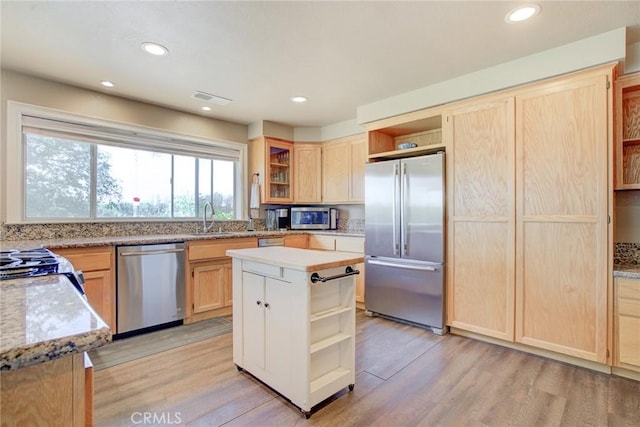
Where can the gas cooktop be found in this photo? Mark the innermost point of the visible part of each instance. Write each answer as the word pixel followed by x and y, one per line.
pixel 35 262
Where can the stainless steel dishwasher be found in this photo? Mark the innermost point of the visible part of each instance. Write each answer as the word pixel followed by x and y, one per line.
pixel 270 241
pixel 150 286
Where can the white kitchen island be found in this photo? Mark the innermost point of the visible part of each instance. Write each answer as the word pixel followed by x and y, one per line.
pixel 294 320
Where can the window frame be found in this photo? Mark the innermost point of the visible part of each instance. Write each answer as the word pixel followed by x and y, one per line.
pixel 15 167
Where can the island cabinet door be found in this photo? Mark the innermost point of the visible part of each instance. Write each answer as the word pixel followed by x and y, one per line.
pixel 280 319
pixel 271 331
pixel 253 322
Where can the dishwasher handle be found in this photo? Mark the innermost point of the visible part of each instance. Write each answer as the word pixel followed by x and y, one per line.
pixel 155 252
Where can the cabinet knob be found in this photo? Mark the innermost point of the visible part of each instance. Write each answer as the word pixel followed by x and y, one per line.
pixel 266 305
pixel 259 302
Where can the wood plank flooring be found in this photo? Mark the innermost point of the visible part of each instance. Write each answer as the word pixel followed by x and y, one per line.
pixel 406 376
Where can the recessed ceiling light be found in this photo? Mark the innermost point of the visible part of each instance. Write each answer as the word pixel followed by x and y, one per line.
pixel 299 99
pixel 107 83
pixel 522 13
pixel 206 108
pixel 154 49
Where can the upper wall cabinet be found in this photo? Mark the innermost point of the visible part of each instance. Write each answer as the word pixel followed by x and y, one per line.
pixel 343 161
pixel 307 173
pixel 627 118
pixel 420 131
pixel 273 159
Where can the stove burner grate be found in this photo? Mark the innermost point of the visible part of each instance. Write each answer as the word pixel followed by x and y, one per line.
pixel 36 262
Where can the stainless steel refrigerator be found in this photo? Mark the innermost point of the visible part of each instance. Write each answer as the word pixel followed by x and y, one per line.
pixel 404 245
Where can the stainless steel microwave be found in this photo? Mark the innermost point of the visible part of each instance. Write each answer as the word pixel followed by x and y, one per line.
pixel 314 218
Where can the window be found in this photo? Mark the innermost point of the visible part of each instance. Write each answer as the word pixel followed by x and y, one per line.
pixel 77 171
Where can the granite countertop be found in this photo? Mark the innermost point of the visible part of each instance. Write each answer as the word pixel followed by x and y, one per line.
pixel 156 238
pixel 44 318
pixel 631 271
pixel 297 259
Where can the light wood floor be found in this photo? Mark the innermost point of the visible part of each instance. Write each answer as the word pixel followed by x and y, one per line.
pixel 406 376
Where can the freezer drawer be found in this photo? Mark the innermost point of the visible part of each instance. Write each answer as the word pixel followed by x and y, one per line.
pixel 406 290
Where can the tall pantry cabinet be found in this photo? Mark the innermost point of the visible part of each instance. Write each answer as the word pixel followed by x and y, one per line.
pixel 529 209
pixel 482 217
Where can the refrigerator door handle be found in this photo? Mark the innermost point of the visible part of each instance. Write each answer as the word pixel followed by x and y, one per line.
pixel 394 220
pixel 403 210
pixel 405 266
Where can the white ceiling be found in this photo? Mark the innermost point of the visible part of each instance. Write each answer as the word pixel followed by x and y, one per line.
pixel 339 54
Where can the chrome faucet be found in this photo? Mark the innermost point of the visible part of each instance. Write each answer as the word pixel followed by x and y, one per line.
pixel 206 227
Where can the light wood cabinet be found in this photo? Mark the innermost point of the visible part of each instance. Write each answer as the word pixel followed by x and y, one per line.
pixel 54 393
pixel 97 265
pixel 300 241
pixel 358 162
pixel 422 128
pixel 209 283
pixel 627 119
pixel 336 161
pixel 322 242
pixel 212 286
pixel 344 244
pixel 273 160
pixel 529 198
pixel 563 143
pixel 481 279
pixel 343 161
pixel 307 173
pixel 627 324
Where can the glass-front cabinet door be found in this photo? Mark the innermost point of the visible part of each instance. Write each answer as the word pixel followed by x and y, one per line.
pixel 280 172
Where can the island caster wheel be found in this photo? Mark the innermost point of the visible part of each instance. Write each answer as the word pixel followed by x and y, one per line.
pixel 351 386
pixel 307 414
pixel 239 368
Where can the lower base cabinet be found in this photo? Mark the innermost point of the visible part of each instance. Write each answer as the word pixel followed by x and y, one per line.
pixel 296 336
pixel 297 241
pixel 208 292
pixel 627 324
pixel 97 265
pixel 54 393
pixel 212 285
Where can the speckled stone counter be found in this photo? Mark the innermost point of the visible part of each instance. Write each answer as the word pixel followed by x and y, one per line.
pixel 631 271
pixel 44 318
pixel 154 238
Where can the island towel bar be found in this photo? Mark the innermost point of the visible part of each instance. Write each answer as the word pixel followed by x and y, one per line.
pixel 315 277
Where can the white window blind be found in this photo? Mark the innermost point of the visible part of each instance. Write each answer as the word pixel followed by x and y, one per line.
pixel 128 138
